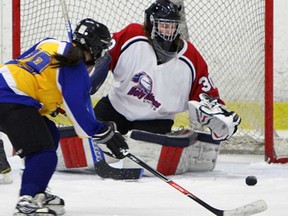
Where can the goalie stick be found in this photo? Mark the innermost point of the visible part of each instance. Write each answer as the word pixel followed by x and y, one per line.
pixel 248 209
pixel 182 138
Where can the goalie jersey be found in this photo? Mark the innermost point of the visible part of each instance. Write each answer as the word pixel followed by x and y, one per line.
pixel 31 80
pixel 145 90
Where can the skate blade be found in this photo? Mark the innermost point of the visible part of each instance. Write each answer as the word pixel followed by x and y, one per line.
pixel 59 209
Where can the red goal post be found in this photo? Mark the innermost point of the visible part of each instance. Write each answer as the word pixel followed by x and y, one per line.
pixel 235 37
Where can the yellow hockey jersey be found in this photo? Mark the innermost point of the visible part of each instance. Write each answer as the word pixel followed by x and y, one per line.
pixel 31 80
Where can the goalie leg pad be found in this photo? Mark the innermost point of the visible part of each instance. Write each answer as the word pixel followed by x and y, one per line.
pixel 73 152
pixel 161 151
pixel 4 164
pixel 148 152
pixel 5 169
pixel 6 178
pixel 169 159
pixel 199 156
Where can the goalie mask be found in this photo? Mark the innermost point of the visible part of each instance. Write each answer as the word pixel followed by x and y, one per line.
pixel 162 24
pixel 92 36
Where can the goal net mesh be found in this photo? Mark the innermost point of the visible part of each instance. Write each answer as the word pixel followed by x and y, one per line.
pixel 228 33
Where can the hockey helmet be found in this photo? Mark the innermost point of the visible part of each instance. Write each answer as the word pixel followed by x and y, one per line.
pixel 92 36
pixel 162 24
pixel 162 19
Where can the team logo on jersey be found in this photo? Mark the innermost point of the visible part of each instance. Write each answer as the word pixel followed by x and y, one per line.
pixel 143 89
pixel 143 81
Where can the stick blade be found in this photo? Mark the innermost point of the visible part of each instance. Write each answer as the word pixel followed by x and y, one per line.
pixel 104 170
pixel 246 210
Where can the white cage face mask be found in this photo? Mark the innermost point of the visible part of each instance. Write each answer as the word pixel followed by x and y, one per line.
pixel 167 29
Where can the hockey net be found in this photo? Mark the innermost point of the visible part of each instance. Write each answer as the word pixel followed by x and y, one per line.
pixel 229 34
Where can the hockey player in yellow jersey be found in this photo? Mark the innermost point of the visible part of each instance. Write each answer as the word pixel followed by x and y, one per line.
pixel 50 74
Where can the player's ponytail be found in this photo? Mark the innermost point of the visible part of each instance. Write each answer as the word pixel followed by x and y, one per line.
pixel 73 57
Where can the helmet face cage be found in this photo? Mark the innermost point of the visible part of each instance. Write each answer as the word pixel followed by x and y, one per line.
pixel 162 19
pixel 166 29
pixel 162 23
pixel 92 36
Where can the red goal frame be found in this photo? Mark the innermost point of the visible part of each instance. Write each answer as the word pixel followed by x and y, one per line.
pixel 269 127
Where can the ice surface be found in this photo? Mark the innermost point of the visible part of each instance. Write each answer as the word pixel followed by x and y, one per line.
pixel 224 188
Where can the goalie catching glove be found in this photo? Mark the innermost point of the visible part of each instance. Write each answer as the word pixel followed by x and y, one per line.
pixel 222 123
pixel 114 141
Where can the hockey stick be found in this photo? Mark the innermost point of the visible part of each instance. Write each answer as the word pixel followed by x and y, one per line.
pixel 249 209
pixel 67 20
pixel 183 138
pixel 101 167
pixel 104 170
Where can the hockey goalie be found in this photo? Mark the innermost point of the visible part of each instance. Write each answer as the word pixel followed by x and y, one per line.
pixel 157 74
pixel 182 150
pixel 185 150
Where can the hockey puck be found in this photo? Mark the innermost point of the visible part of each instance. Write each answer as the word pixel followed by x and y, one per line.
pixel 251 180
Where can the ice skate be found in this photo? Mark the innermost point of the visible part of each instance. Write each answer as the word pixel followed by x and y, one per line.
pixel 29 206
pixel 53 202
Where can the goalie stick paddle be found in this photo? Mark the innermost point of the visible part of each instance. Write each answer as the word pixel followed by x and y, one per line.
pixel 104 170
pixel 248 209
pixel 184 139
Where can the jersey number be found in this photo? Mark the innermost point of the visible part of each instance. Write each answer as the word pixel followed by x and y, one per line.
pixel 36 61
pixel 207 83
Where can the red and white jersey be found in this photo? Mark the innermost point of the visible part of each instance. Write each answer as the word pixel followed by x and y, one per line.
pixel 144 90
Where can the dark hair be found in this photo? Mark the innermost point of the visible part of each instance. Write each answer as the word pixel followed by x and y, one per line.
pixel 73 57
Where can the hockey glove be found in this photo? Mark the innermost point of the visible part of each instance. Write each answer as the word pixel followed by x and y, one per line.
pixel 222 123
pixel 114 141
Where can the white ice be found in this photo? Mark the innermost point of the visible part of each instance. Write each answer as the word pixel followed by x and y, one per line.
pixel 224 188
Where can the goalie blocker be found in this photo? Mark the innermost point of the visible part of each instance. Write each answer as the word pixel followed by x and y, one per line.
pixel 175 153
